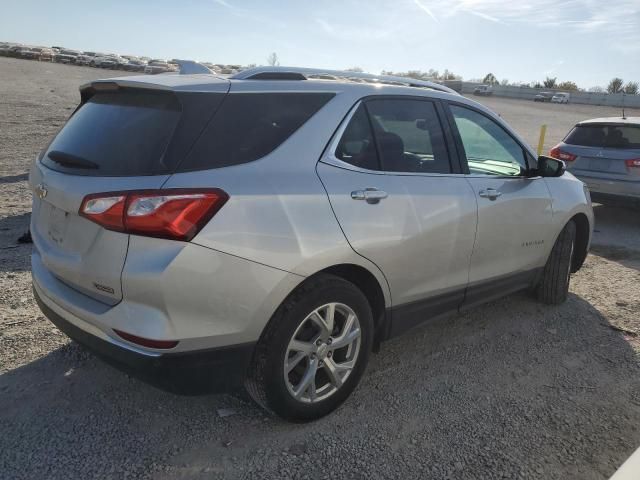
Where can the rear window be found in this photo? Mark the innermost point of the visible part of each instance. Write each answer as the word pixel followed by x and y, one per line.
pixel 605 136
pixel 116 134
pixel 249 126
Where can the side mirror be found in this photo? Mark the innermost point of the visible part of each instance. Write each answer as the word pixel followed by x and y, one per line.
pixel 550 167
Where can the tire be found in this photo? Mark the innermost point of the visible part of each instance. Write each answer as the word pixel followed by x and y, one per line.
pixel 273 389
pixel 554 284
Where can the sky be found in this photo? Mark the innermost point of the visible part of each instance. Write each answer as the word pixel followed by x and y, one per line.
pixel 585 41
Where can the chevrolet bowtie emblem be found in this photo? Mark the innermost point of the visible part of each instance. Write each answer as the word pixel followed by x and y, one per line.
pixel 41 191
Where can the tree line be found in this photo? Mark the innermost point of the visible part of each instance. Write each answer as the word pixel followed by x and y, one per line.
pixel 616 85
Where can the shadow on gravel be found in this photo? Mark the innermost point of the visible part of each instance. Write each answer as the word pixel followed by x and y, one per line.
pixel 513 389
pixel 14 178
pixel 615 235
pixel 624 256
pixel 14 256
pixel 616 216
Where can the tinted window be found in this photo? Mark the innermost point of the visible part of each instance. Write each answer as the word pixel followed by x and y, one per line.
pixel 489 149
pixel 249 126
pixel 117 133
pixel 605 136
pixel 409 136
pixel 357 145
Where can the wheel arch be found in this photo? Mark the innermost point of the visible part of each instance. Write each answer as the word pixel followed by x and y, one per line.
pixel 582 240
pixel 374 288
pixel 371 288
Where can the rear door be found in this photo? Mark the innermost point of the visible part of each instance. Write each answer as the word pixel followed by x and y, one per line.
pixel 119 139
pixel 514 211
pixel 402 205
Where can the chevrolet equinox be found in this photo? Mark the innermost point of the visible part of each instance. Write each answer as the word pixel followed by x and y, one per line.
pixel 271 229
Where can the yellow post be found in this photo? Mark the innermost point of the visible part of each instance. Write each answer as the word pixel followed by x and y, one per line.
pixel 543 132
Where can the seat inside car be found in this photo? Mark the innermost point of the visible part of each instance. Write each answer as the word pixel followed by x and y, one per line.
pixel 392 152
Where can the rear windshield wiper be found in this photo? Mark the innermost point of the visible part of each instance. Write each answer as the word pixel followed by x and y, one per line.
pixel 69 160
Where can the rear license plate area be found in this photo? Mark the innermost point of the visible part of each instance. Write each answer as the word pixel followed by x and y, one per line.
pixel 599 164
pixel 57 224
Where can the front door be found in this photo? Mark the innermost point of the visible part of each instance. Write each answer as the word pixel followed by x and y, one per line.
pixel 514 211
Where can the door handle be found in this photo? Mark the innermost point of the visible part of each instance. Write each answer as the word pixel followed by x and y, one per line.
pixel 370 195
pixel 490 193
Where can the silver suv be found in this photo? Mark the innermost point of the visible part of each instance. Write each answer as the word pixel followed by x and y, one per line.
pixel 273 228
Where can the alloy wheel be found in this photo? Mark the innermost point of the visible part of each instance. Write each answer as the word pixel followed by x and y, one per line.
pixel 322 352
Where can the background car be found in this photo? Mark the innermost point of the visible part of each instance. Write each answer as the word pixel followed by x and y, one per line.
pixel 543 97
pixel 157 66
pixel 605 154
pixel 83 60
pixel 483 90
pixel 560 98
pixel 111 61
pixel 14 50
pixel 29 53
pixel 66 56
pixel 135 65
pixel 46 54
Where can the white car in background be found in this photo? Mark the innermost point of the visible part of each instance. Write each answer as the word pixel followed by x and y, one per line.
pixel 560 98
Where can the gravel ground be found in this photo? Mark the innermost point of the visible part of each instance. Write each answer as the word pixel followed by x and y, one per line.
pixel 513 389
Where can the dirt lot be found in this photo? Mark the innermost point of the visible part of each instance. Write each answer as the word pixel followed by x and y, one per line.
pixel 513 389
pixel 527 117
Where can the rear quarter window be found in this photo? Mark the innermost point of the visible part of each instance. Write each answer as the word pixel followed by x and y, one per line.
pixel 249 126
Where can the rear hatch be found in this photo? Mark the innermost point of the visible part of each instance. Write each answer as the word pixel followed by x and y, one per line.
pixel 604 150
pixel 124 136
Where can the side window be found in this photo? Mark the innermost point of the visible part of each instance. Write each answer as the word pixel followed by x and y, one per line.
pixel 490 150
pixel 357 146
pixel 409 136
pixel 249 126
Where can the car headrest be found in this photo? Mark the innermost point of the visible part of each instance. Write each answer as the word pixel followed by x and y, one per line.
pixel 391 147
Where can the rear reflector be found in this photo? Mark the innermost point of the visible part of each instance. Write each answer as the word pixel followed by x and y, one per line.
pixel 634 163
pixel 175 214
pixel 562 155
pixel 147 342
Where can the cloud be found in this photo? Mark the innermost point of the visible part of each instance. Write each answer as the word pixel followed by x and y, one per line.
pixel 554 68
pixel 351 32
pixel 486 16
pixel 425 9
pixel 616 22
pixel 222 3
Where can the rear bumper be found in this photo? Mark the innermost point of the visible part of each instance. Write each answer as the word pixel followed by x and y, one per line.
pixel 189 373
pixel 619 188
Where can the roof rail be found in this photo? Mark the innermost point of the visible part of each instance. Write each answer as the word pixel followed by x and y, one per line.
pixel 288 73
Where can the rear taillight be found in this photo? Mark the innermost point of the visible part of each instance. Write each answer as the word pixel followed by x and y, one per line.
pixel 176 214
pixel 633 163
pixel 556 152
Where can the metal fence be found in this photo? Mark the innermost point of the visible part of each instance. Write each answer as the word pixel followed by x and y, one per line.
pixel 588 98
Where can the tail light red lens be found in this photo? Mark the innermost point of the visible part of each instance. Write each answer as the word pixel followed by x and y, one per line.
pixel 176 214
pixel 634 163
pixel 556 152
